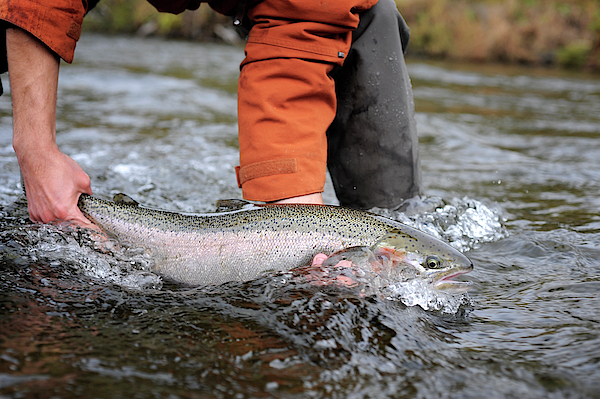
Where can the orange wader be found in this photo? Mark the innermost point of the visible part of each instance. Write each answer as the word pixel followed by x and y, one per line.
pixel 286 98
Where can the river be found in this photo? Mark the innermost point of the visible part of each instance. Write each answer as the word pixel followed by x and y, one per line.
pixel 511 173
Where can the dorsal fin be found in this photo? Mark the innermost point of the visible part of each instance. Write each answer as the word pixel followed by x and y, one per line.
pixel 124 199
pixel 227 205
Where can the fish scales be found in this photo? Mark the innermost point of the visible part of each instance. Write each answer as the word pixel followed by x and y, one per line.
pixel 239 245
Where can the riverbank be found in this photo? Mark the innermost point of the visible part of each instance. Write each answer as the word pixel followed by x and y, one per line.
pixel 563 33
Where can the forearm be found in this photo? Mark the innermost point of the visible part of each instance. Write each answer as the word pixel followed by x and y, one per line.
pixel 53 181
pixel 33 73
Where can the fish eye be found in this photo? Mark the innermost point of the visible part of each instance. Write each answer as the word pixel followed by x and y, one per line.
pixel 433 262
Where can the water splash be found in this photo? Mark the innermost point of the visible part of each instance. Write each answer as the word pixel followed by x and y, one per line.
pixel 104 260
pixel 419 293
pixel 465 223
pixel 23 242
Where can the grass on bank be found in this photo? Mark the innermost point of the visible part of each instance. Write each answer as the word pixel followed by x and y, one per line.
pixel 536 32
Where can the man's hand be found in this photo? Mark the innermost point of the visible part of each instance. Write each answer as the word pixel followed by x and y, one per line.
pixel 53 181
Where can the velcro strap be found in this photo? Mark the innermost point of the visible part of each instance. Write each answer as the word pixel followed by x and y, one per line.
pixel 265 168
pixel 74 31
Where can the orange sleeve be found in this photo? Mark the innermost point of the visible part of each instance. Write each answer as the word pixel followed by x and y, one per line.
pixel 285 107
pixel 286 98
pixel 57 23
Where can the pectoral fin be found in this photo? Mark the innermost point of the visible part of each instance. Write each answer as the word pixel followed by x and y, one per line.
pixel 358 256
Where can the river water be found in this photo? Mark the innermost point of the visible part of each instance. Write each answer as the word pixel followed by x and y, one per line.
pixel 511 177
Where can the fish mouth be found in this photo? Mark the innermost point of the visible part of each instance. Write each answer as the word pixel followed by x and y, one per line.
pixel 447 284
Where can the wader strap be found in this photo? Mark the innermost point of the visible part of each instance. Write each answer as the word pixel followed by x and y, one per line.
pixel 266 168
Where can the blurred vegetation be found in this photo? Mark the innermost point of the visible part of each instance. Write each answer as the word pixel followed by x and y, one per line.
pixel 549 32
pixel 546 32
pixel 141 18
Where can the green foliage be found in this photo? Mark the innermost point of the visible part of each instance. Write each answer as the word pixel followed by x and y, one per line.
pixel 168 23
pixel 119 16
pixel 574 55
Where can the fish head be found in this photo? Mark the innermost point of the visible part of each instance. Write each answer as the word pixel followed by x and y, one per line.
pixel 431 259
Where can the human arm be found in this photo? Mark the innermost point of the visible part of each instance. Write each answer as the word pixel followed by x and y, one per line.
pixel 53 181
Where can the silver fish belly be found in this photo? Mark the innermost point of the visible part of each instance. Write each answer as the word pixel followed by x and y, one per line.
pixel 240 245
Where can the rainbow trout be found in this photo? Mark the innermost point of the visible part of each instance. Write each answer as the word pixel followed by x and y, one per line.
pixel 246 240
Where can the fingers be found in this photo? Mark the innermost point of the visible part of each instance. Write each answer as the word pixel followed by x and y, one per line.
pixel 319 259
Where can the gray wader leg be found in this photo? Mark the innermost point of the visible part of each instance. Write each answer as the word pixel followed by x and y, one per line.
pixel 373 155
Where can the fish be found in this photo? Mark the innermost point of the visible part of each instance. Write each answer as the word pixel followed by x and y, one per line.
pixel 243 240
